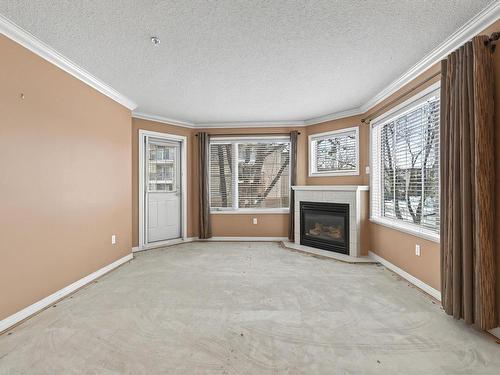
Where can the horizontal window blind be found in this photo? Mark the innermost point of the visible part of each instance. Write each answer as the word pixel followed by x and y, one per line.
pixel 263 175
pixel 221 175
pixel 249 173
pixel 405 166
pixel 336 152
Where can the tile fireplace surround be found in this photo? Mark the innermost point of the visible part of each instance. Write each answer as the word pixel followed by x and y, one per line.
pixel 356 196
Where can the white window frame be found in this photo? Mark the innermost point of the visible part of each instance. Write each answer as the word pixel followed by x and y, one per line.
pixel 234 141
pixel 399 110
pixel 312 155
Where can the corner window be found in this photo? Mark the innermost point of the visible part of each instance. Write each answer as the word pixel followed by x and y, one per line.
pixel 249 174
pixel 334 153
pixel 405 167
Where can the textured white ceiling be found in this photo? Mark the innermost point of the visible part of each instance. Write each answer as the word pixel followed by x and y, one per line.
pixel 230 60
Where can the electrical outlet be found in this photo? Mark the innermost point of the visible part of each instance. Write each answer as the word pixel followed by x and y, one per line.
pixel 417 250
pixel 113 239
pixel 367 170
pixel 254 220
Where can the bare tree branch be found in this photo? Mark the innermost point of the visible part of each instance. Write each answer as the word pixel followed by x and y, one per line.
pixel 275 179
pixel 222 175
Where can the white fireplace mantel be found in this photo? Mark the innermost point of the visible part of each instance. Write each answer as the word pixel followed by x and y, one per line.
pixel 347 194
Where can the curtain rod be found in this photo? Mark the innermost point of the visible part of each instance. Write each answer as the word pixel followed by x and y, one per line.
pixel 244 134
pixel 382 109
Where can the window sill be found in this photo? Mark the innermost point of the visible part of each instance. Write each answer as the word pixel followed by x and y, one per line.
pixel 251 212
pixel 425 234
pixel 333 174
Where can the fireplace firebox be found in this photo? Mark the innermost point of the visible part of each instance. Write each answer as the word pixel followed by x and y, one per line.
pixel 325 226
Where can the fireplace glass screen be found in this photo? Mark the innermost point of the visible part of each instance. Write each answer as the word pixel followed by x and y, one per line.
pixel 325 226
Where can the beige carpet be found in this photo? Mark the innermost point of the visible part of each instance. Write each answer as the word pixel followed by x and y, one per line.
pixel 246 308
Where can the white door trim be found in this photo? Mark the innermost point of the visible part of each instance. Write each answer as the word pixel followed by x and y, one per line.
pixel 183 140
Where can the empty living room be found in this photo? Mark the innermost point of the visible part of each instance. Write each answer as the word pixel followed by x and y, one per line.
pixel 250 187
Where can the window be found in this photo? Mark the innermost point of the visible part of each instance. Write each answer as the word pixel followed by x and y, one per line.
pixel 405 167
pixel 161 161
pixel 334 153
pixel 249 174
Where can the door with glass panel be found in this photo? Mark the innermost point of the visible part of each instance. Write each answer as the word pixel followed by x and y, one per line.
pixel 162 190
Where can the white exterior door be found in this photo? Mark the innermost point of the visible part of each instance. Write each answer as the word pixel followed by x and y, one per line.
pixel 162 190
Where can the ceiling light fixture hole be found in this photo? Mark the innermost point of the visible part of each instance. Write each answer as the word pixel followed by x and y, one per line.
pixel 155 40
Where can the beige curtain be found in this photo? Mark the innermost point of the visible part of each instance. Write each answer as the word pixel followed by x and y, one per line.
pixel 467 185
pixel 293 181
pixel 205 225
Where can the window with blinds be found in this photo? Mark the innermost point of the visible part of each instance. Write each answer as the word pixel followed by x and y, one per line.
pixel 249 173
pixel 221 175
pixel 405 166
pixel 334 153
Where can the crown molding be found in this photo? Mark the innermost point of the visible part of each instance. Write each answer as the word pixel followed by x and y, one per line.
pixel 247 124
pixel 35 45
pixel 163 120
pixel 217 125
pixel 470 29
pixel 334 116
pixel 250 124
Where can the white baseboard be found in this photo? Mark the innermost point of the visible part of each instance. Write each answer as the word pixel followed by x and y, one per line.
pixel 495 332
pixel 418 283
pixel 412 279
pixel 48 301
pixel 260 239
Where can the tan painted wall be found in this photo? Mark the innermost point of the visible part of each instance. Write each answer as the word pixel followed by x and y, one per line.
pixel 223 225
pixel 399 248
pixel 364 135
pixel 65 163
pixel 235 225
pixel 240 225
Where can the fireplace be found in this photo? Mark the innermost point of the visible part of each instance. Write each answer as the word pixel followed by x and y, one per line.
pixel 325 226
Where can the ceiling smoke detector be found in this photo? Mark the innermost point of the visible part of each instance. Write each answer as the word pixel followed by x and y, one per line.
pixel 155 40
